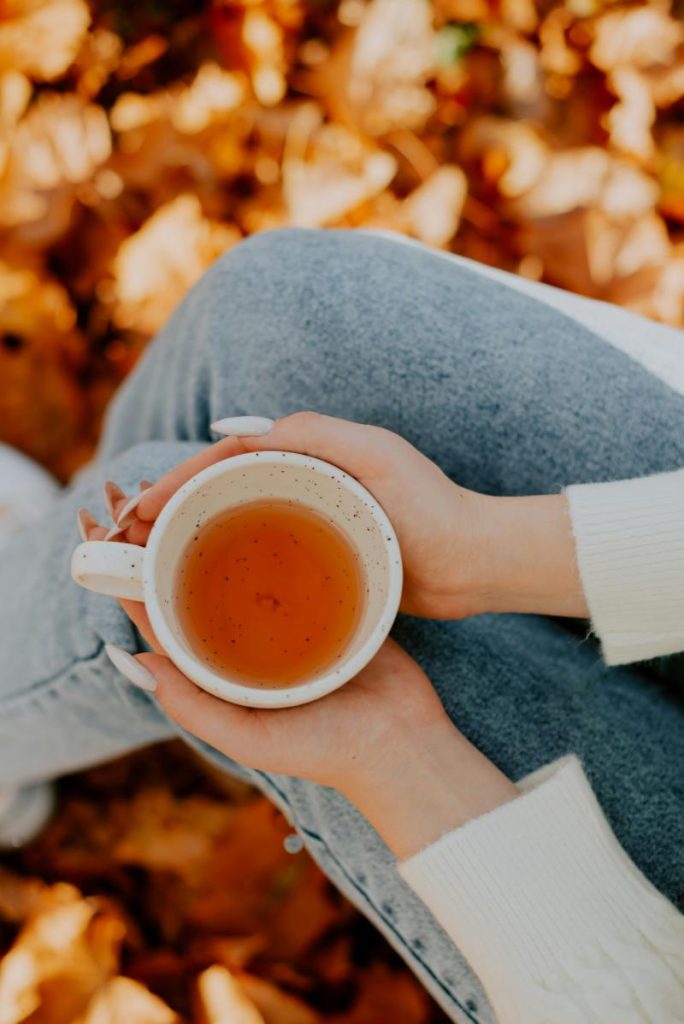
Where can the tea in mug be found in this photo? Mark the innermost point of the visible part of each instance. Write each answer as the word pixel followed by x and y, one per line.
pixel 269 593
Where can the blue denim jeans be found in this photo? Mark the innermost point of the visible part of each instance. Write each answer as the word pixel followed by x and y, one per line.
pixel 510 395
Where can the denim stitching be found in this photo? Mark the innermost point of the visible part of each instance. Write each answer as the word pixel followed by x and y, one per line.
pixel 391 927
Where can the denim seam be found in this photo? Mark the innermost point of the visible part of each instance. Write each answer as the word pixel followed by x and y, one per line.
pixel 354 884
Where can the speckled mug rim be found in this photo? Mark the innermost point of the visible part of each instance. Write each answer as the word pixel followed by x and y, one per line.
pixel 328 681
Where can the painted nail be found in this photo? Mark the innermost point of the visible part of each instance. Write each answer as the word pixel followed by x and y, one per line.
pixel 85 522
pixel 112 493
pixel 115 531
pixel 126 517
pixel 243 426
pixel 131 668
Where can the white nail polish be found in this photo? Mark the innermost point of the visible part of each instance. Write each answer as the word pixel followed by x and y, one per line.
pixel 112 493
pixel 126 517
pixel 115 531
pixel 243 426
pixel 129 667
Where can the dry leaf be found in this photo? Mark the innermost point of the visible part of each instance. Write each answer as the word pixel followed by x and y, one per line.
pixel 161 833
pixel 221 1000
pixel 432 212
pixel 124 1001
pixel 155 267
pixel 42 37
pixel 627 190
pixel 20 897
pixel 61 958
pixel 557 56
pixel 637 36
pixel 630 122
pixel 522 84
pixel 99 56
pixel 338 174
pixel 667 83
pixel 41 355
pixel 212 95
pixel 524 155
pixel 393 54
pixel 519 14
pixel 274 1005
pixel 656 291
pixel 59 143
pixel 587 177
pixel 263 39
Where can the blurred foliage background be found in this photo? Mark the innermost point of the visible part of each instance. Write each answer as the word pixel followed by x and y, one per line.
pixel 139 141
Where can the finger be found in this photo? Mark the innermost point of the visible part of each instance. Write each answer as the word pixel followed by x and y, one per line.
pixel 138 533
pixel 153 500
pixel 137 613
pixel 120 508
pixel 357 448
pixel 232 729
pixel 88 526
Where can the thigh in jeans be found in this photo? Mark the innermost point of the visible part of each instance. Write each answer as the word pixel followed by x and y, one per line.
pixel 507 394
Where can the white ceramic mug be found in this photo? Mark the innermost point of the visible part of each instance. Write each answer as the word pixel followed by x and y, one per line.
pixel 148 574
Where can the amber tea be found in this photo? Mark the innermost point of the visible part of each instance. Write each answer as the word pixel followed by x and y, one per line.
pixel 269 593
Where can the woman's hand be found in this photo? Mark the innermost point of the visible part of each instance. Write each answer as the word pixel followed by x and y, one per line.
pixel 436 521
pixel 463 553
pixel 383 740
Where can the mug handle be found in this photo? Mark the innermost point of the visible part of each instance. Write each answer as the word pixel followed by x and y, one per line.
pixel 112 569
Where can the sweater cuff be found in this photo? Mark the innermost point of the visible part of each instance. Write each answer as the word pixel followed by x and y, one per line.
pixel 630 550
pixel 539 891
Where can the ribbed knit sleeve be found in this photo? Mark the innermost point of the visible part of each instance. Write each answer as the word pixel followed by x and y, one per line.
pixel 553 916
pixel 630 548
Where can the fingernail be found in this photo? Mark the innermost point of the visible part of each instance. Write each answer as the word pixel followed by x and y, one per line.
pixel 243 426
pixel 145 485
pixel 131 668
pixel 112 493
pixel 85 522
pixel 126 517
pixel 115 531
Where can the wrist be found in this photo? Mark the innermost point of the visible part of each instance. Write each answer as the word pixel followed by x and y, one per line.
pixel 524 558
pixel 426 785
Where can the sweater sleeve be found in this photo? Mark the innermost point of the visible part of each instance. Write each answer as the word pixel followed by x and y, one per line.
pixel 630 549
pixel 552 915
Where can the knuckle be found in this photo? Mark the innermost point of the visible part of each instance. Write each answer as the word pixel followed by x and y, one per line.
pixel 302 422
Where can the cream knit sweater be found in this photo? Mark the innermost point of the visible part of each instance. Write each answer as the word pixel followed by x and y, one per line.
pixel 558 923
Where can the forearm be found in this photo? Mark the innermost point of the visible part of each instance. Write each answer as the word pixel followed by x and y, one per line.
pixel 537 894
pixel 525 558
pixel 427 785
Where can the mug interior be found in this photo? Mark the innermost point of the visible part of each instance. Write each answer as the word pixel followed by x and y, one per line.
pixel 279 476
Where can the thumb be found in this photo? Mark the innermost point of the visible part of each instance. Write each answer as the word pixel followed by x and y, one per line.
pixel 357 448
pixel 231 728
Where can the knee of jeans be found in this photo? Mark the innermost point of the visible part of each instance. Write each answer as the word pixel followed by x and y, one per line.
pixel 280 293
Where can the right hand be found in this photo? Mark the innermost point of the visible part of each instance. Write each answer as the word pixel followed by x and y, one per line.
pixel 437 522
pixel 464 553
